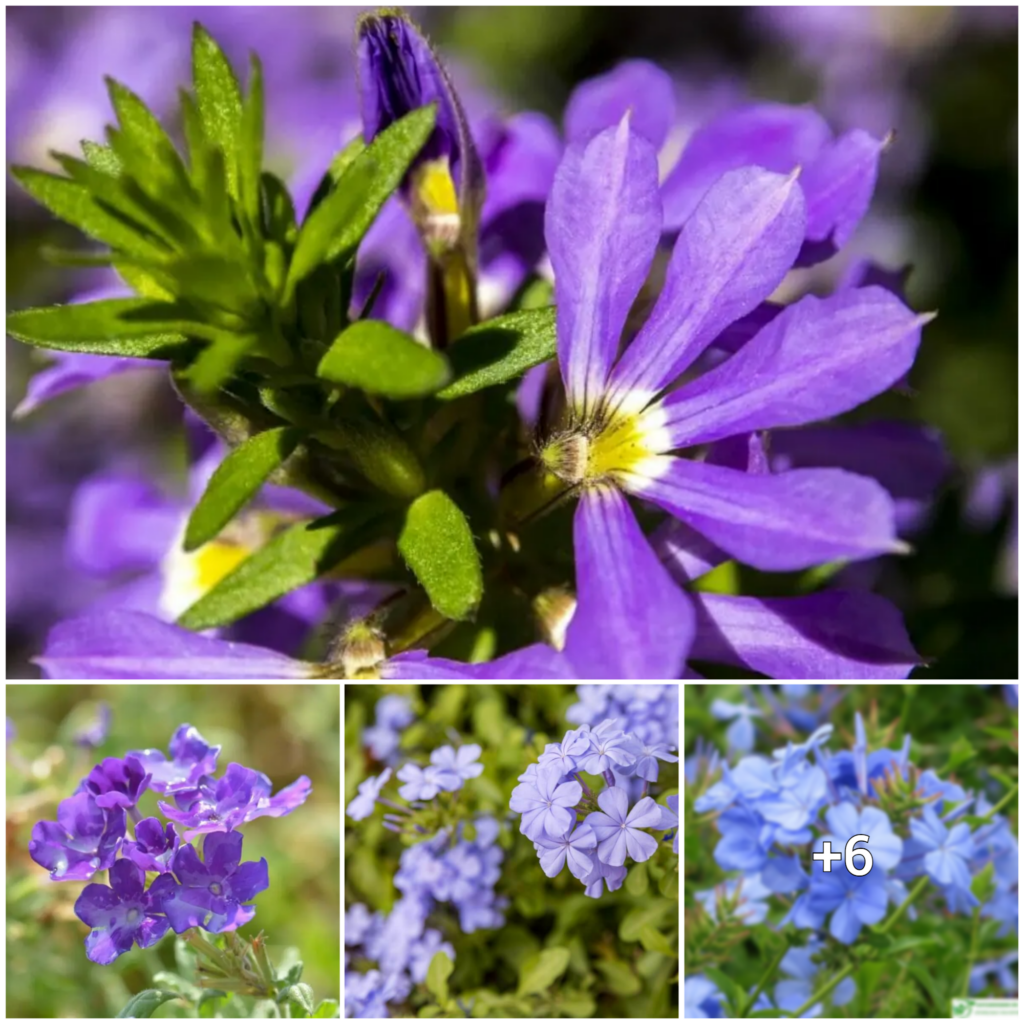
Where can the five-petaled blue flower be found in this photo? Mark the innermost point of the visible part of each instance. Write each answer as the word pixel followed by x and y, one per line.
pixel 618 829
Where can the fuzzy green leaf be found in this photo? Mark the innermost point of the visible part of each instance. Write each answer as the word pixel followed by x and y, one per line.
pixel 327 1008
pixel 250 157
pixel 294 557
pixel 236 480
pixel 219 98
pixel 437 545
pixel 542 970
pixel 101 328
pixel 382 360
pixel 500 350
pixel 143 1003
pixel 101 158
pixel 438 973
pixel 302 994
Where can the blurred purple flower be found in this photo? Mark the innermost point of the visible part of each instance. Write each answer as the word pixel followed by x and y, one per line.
pixel 191 758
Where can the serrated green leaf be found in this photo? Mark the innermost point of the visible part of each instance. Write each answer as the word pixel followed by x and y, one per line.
pixel 542 970
pixel 619 978
pixel 219 99
pixel 302 994
pixel 637 880
pixel 438 973
pixel 102 328
pixel 437 545
pixel 250 157
pixel 291 559
pixel 382 360
pixel 235 482
pixel 143 1003
pixel 638 919
pixel 500 350
pixel 327 1008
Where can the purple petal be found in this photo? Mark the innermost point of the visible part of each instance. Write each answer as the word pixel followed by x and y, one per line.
pixel 602 225
pixel 251 878
pixel 222 853
pixel 639 845
pixel 740 242
pixel 614 802
pixel 552 862
pixel 127 880
pixel 601 824
pixel 777 522
pixel 557 820
pixel 130 645
pixel 770 135
pixel 818 358
pixel 104 947
pixel 567 794
pixel 286 800
pixel 631 620
pixel 613 850
pixel 73 370
pixel 189 869
pixel 637 87
pixel 579 863
pixel 96 904
pixel 684 552
pixel 151 931
pixel 646 814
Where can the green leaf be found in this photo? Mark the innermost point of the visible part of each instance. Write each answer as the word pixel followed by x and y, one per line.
pixel 327 1008
pixel 101 158
pixel 729 988
pixel 500 350
pixel 429 1011
pixel 143 1003
pixel 960 753
pixel 669 885
pixel 250 157
pixel 911 942
pixel 653 941
pixel 219 98
pixel 381 360
pixel 637 880
pixel 576 1004
pixel 438 973
pixel 236 480
pixel 619 978
pixel 542 970
pixel 379 452
pixel 293 975
pixel 437 545
pixel 294 557
pixel 302 994
pixel 102 328
pixel 921 975
pixel 638 919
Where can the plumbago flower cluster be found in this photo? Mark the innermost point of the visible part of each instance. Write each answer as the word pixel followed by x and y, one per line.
pixel 374 428
pixel 192 863
pixel 595 835
pixel 459 864
pixel 771 814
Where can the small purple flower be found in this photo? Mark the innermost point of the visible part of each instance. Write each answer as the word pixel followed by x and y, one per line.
pixel 546 804
pixel 425 783
pixel 618 829
pixel 568 848
pixel 116 782
pixel 945 853
pixel 601 875
pixel 796 805
pixel 84 839
pixel 220 805
pixel 93 734
pixel 211 894
pixel 362 806
pixel 358 924
pixel 856 900
pixel 122 913
pixel 154 846
pixel 191 758
pixel 423 952
pixel 566 755
pixel 670 819
pixel 461 763
pixel 650 754
pixel 740 735
pixel 845 820
pixel 609 749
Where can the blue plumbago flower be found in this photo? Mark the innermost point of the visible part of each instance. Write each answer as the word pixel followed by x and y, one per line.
pixel 362 806
pixel 740 735
pixel 796 803
pixel 358 922
pixel 670 819
pixel 545 804
pixel 211 893
pixel 191 758
pixel 943 854
pixel 603 875
pixel 618 828
pixel 650 711
pixel 702 998
pixel 426 783
pixel 745 895
pixel 845 820
pixel 116 782
pixel 567 755
pixel 650 754
pixel 154 846
pixel 610 747
pixel 393 714
pixel 84 839
pixel 123 913
pixel 855 901
pixel 556 852
pixel 93 734
pixel 999 969
pixel 423 951
pixel 461 763
pixel 221 805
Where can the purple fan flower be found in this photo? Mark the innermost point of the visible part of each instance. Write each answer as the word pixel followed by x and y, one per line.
pixel 817 358
pixel 618 829
pixel 221 805
pixel 211 894
pixel 362 805
pixel 546 804
pixel 123 913
pixel 191 758
pixel 461 763
pixel 857 901
pixel 84 839
pixel 116 782
pixel 93 734
pixel 569 848
pixel 425 783
pixel 154 845
pixel 650 754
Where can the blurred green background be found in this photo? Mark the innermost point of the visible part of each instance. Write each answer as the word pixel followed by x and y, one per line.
pixel 282 731
pixel 608 976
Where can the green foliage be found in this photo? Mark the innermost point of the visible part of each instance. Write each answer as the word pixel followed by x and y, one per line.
pixel 438 973
pixel 541 970
pixel 145 1002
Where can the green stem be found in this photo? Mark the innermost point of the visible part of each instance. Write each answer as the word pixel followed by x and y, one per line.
pixel 972 954
pixel 1002 803
pixel 765 978
pixel 898 912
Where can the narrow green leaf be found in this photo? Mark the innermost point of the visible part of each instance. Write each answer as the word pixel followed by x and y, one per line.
pixel 327 1008
pixel 960 753
pixel 101 158
pixel 500 350
pixel 145 135
pixel 437 544
pixel 438 973
pixel 378 358
pixel 218 360
pixel 380 453
pixel 219 98
pixel 291 559
pixel 638 918
pixel 143 1003
pixel 729 988
pixel 619 978
pixel 391 153
pixel 303 995
pixel 102 328
pixel 75 257
pixel 576 1004
pixel 920 973
pixel 235 482
pixel 654 942
pixel 251 147
pixel 669 885
pixel 542 970
pixel 637 880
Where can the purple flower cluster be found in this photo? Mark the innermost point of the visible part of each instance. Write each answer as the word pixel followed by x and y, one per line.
pixel 391 715
pixel 595 845
pixel 213 890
